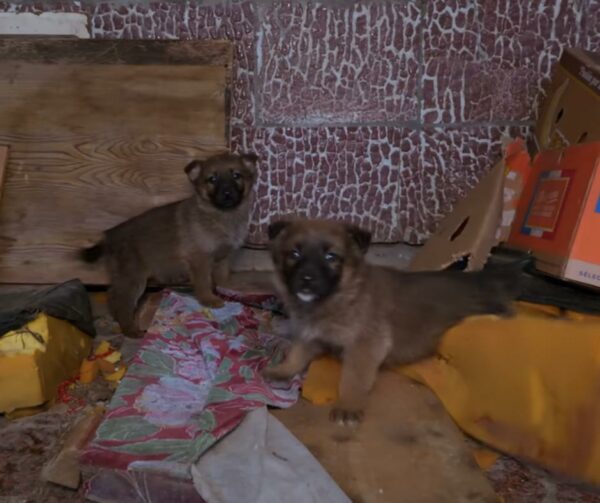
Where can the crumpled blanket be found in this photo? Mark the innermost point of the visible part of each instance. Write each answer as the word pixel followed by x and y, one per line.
pixel 193 380
pixel 262 462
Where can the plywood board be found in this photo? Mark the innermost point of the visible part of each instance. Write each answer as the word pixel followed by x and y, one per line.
pixel 98 131
pixel 407 448
pixel 3 161
pixel 62 99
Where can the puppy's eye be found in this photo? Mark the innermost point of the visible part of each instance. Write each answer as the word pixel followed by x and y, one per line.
pixel 236 175
pixel 294 254
pixel 212 179
pixel 332 257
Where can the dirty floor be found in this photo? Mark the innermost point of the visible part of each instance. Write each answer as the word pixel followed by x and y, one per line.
pixel 27 443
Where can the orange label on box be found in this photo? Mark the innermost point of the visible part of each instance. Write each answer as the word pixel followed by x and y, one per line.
pixel 547 203
pixel 545 209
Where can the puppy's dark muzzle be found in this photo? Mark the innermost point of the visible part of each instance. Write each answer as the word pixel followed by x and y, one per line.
pixel 227 196
pixel 309 281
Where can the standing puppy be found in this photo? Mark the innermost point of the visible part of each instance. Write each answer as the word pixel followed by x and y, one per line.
pixel 190 239
pixel 372 315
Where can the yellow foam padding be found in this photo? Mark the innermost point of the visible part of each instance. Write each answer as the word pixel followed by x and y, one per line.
pixel 321 384
pixel 527 385
pixel 36 358
pixel 485 458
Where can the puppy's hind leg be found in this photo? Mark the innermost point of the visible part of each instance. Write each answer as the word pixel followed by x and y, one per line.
pixel 123 297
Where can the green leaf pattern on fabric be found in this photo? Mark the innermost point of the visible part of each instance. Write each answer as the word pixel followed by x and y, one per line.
pixel 246 372
pixel 129 386
pixel 125 428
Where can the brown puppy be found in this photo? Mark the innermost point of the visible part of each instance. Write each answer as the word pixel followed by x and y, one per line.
pixel 373 315
pixel 190 239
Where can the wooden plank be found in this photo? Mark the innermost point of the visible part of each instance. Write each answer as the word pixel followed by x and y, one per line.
pixel 62 192
pixel 3 163
pixel 407 448
pixel 132 99
pixel 95 139
pixel 55 50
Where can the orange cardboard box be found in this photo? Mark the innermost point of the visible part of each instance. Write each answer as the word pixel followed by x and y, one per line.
pixel 558 216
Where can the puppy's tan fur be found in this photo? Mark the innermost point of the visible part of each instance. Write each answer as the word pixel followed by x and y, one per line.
pixel 375 315
pixel 190 239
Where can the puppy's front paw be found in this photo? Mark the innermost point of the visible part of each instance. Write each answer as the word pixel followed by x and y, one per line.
pixel 277 373
pixel 346 417
pixel 135 334
pixel 213 301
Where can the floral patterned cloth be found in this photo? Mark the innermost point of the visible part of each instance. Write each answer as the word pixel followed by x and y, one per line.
pixel 193 380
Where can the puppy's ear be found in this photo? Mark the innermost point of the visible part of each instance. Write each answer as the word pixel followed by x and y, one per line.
pixel 360 237
pixel 193 170
pixel 275 228
pixel 249 161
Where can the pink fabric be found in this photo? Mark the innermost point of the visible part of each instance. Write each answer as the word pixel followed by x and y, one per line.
pixel 192 381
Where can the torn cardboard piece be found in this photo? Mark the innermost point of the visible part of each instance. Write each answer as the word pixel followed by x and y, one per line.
pixel 570 112
pixel 469 231
pixel 64 468
pixel 408 448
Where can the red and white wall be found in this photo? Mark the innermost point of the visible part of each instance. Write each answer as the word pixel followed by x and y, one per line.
pixel 382 112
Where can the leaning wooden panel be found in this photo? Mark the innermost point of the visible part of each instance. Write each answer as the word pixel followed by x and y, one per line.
pixel 59 99
pixel 3 162
pixel 55 50
pixel 94 144
pixel 61 192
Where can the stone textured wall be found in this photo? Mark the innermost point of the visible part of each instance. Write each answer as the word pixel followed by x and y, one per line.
pixel 382 112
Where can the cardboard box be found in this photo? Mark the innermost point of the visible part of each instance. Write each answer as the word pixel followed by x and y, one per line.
pixel 570 113
pixel 558 217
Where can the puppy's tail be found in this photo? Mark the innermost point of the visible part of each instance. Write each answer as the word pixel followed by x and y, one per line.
pixel 93 253
pixel 508 278
pixel 500 285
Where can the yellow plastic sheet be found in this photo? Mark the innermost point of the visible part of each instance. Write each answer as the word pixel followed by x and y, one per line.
pixel 529 385
pixel 36 358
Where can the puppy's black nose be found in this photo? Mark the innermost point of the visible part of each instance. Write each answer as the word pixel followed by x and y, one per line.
pixel 307 278
pixel 226 192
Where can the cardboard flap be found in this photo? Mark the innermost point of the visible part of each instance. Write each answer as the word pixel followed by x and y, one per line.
pixel 469 231
pixel 569 114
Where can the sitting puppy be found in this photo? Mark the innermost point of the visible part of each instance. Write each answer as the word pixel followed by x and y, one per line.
pixel 190 239
pixel 373 315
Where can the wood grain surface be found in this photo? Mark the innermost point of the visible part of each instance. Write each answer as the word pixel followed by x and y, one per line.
pixel 53 50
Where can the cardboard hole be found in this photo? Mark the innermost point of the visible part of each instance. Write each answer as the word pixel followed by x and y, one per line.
pixel 459 265
pixel 583 137
pixel 459 230
pixel 559 115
